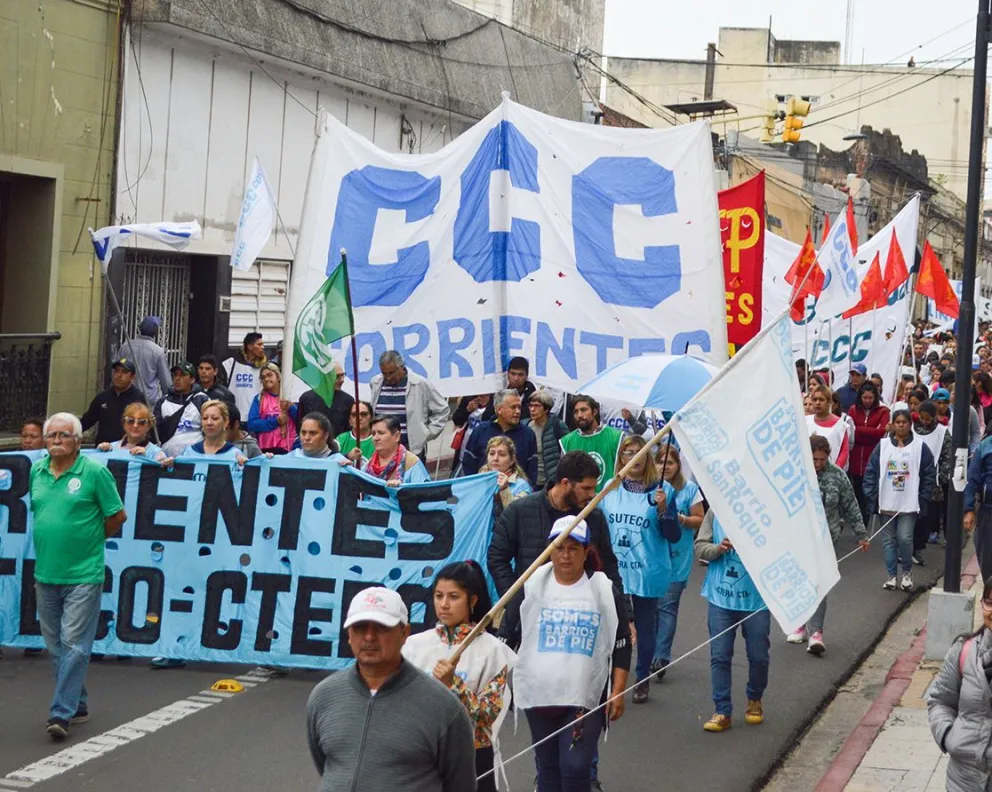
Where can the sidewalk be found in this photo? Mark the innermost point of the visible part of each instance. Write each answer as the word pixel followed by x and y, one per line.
pixel 892 748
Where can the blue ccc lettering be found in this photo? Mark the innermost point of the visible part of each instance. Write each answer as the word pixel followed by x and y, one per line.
pixel 508 256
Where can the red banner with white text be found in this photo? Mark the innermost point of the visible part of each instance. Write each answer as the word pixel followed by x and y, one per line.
pixel 742 227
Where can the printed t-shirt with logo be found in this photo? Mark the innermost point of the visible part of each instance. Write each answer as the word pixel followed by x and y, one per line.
pixel 68 520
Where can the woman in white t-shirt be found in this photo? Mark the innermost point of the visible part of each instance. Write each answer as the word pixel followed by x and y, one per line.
pixel 824 423
pixel 898 482
pixel 574 654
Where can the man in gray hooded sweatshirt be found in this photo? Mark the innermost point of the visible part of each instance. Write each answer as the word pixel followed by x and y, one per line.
pixel 149 358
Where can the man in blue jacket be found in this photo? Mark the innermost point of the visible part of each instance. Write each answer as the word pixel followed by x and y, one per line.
pixel 507 422
pixel 978 498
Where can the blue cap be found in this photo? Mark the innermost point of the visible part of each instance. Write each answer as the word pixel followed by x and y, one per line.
pixel 941 394
pixel 860 369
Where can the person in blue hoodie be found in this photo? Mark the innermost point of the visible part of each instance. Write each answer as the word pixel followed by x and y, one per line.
pixel 978 504
pixel 733 600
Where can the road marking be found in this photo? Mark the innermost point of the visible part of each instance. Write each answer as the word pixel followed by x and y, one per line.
pixel 77 754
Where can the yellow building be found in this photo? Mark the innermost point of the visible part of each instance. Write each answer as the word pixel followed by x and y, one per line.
pixel 58 97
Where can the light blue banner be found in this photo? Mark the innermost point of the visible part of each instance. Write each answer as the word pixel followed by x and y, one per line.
pixel 254 565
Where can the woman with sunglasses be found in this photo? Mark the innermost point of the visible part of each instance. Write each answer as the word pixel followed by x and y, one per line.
pixel 137 422
pixel 642 530
pixel 959 706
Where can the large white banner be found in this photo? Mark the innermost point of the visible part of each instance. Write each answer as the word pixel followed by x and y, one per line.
pixel 876 338
pixel 573 245
pixel 746 439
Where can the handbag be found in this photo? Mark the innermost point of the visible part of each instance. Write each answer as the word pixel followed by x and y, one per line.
pixel 458 438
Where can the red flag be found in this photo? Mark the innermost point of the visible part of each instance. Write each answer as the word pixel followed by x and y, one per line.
pixel 803 286
pixel 873 293
pixel 826 226
pixel 852 227
pixel 742 226
pixel 933 283
pixel 896 273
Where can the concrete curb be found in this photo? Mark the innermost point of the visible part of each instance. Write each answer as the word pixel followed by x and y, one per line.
pixel 856 746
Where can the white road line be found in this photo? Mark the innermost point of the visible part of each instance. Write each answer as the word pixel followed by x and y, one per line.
pixel 10 783
pixel 77 754
pixel 216 694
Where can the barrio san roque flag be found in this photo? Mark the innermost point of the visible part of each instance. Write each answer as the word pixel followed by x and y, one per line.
pixel 747 442
pixel 933 283
pixel 324 319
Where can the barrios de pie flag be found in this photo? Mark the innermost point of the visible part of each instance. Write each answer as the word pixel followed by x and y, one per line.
pixel 746 440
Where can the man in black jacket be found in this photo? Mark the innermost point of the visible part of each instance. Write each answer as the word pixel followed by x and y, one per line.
pixel 107 407
pixel 207 368
pixel 337 411
pixel 521 532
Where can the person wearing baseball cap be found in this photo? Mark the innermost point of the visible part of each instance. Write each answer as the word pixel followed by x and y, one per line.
pixel 848 394
pixel 942 398
pixel 178 412
pixel 107 408
pixel 571 629
pixel 417 737
pixel 149 358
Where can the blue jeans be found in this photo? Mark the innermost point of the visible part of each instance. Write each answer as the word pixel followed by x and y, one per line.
pixel 69 616
pixel 897 543
pixel 756 631
pixel 667 620
pixel 646 622
pixel 564 762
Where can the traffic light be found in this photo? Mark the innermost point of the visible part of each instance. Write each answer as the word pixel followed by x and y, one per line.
pixel 795 111
pixel 772 114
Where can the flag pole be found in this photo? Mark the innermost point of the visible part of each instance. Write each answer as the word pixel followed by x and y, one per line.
pixel 502 602
pixel 354 348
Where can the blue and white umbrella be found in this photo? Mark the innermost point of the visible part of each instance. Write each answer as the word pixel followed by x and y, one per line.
pixel 654 382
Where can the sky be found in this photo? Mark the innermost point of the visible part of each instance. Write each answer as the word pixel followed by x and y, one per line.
pixel 885 29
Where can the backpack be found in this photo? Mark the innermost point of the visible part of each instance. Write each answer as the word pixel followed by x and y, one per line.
pixel 964 654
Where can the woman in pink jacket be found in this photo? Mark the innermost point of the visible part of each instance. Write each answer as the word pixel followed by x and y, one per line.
pixel 871 418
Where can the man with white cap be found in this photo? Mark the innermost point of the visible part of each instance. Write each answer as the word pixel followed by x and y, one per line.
pixel 384 726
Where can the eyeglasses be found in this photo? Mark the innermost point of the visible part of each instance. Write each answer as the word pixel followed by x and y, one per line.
pixel 628 454
pixel 58 435
pixel 136 421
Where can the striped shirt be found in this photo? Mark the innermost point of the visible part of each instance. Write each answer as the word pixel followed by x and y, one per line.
pixel 392 401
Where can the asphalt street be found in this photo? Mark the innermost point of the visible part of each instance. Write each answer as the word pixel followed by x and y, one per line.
pixel 255 740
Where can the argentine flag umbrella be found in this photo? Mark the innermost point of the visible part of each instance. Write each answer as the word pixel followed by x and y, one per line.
pixel 654 382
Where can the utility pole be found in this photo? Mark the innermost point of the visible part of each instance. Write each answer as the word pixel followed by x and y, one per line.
pixel 966 319
pixel 950 611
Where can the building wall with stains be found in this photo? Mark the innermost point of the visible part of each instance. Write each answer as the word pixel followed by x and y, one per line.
pixel 58 94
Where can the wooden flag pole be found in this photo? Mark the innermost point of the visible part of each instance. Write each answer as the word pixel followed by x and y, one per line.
pixel 354 355
pixel 511 592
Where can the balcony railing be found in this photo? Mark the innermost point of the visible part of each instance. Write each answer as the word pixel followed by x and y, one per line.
pixel 25 369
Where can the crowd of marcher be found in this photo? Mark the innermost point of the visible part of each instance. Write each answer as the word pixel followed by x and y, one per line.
pixel 609 598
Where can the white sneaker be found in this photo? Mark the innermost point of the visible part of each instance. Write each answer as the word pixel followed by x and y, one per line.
pixel 907 583
pixel 890 584
pixel 816 646
pixel 797 636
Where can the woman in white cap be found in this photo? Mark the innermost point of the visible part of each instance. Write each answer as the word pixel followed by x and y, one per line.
pixel 574 654
pixel 480 678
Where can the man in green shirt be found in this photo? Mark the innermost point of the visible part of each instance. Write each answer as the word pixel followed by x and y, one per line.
pixel 600 442
pixel 75 507
pixel 361 416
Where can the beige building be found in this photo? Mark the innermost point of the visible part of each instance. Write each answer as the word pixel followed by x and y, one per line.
pixel 929 110
pixel 58 86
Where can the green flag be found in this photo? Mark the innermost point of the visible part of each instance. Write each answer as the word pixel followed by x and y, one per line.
pixel 325 318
